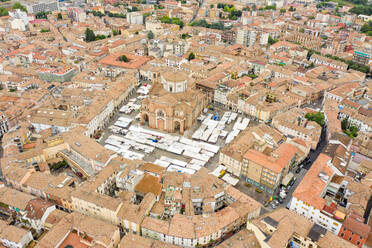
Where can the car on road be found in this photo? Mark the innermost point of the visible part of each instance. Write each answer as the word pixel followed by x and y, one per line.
pixel 273 206
pixel 292 182
pixel 298 170
pixel 280 200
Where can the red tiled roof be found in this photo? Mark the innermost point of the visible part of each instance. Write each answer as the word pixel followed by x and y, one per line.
pixel 357 227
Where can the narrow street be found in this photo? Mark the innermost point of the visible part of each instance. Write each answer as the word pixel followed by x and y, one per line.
pixel 313 155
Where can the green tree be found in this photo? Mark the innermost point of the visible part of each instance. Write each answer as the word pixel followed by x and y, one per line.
pixel 89 35
pixel 19 6
pixel 292 9
pixel 101 37
pixel 282 11
pixel 124 58
pixel 270 7
pixel 349 130
pixel 59 16
pixel 253 76
pixel 191 56
pixel 317 117
pixel 150 35
pixel 185 36
pixel 366 28
pixel 311 65
pixel 3 11
pixel 114 32
pixel 174 20
pixel 212 6
pixel 145 15
pixel 362 9
pixel 345 124
pixel 272 41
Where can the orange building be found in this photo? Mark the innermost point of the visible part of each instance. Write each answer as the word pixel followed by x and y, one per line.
pixel 173 104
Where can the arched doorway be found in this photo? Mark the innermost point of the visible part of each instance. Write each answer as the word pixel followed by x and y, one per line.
pixel 177 127
pixel 161 118
pixel 145 119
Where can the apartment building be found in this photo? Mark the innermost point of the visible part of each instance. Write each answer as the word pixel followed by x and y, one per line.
pixel 82 231
pixel 56 74
pixel 293 124
pixel 37 6
pixel 97 205
pixel 308 198
pixel 362 122
pixel 246 37
pixel 191 230
pixel 131 240
pixel 283 228
pixel 58 120
pixel 4 126
pixel 259 138
pixel 267 171
pixel 12 236
pixel 56 189
pixel 84 154
pixel 306 40
pixel 334 64
pixel 345 91
pixel 355 231
pixel 14 202
pixel 261 107
pixel 362 54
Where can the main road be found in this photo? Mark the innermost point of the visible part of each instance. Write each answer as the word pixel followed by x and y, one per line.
pixel 197 10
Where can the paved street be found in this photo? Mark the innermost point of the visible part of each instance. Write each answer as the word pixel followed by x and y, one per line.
pixel 312 156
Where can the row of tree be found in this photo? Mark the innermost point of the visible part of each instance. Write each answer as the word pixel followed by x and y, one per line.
pixel 17 5
pixel 174 20
pixel 214 25
pixel 90 36
pixel 367 28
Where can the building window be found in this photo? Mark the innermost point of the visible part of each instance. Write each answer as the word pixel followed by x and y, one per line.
pixel 350 238
pixel 358 243
pixel 342 234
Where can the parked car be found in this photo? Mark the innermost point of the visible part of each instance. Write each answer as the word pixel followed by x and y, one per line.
pixel 282 194
pixel 280 200
pixel 293 181
pixel 272 205
pixel 276 202
pixel 298 170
